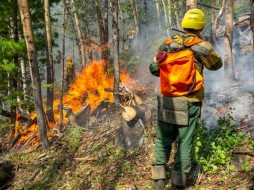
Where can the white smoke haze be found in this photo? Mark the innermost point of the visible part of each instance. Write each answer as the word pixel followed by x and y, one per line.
pixel 219 94
pixel 221 97
pixel 235 98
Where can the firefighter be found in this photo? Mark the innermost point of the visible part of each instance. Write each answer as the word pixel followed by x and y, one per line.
pixel 69 73
pixel 167 131
pixel 131 35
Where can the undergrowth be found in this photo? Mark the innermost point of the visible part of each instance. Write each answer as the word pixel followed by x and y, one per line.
pixel 214 146
pixel 73 136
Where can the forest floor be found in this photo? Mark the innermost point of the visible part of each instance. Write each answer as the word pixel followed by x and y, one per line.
pixel 87 159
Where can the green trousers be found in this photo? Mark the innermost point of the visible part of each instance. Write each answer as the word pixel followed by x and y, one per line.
pixel 167 133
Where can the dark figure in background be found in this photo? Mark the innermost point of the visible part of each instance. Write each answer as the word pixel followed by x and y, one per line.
pixel 69 73
pixel 167 131
pixel 131 35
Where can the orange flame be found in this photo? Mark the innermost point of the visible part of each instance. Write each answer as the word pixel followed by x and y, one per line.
pixel 88 88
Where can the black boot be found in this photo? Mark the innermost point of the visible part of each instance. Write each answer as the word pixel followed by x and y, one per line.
pixel 178 180
pixel 158 184
pixel 159 176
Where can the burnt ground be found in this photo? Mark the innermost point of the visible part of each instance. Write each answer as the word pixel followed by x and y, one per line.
pixel 87 159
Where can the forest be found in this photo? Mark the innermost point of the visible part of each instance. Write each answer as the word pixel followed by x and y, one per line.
pixel 78 102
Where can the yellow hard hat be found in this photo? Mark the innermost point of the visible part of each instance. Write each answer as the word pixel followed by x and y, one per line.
pixel 194 19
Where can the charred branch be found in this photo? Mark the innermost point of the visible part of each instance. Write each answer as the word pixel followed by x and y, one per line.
pixel 31 178
pixel 208 6
pixel 80 117
pixel 102 106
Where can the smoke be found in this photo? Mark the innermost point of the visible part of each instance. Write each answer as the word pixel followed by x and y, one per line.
pixel 221 96
pixel 234 98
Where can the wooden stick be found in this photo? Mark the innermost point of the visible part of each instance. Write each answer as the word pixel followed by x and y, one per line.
pixel 28 141
pixel 37 171
pixel 200 177
pixel 208 6
pixel 143 126
pixel 244 153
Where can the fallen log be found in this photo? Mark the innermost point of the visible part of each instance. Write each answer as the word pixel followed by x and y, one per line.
pixel 131 113
pixel 102 106
pixel 80 117
pixel 131 133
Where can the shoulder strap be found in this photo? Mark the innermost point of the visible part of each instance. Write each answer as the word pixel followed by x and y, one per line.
pixel 194 41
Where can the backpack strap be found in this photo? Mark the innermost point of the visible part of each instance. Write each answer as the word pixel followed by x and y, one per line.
pixel 194 41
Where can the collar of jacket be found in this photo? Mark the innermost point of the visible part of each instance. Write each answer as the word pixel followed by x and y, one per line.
pixel 188 37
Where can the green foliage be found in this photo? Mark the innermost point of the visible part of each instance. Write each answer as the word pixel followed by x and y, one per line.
pixel 73 136
pixel 214 147
pixel 246 166
pixel 9 70
pixel 251 146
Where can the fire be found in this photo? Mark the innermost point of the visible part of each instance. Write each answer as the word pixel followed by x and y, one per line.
pixel 90 82
pixel 87 88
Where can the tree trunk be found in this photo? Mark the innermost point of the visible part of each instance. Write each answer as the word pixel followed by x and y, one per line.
pixel 228 40
pixel 252 22
pixel 191 4
pixel 63 65
pixel 144 24
pixel 122 25
pixel 12 80
pixel 81 41
pixel 12 108
pixel 50 64
pixel 87 34
pixel 35 75
pixel 169 15
pixel 176 12
pixel 166 18
pixel 211 37
pixel 24 79
pixel 216 21
pixel 158 14
pixel 90 50
pixel 116 50
pixel 183 9
pixel 74 32
pixel 106 29
pixel 101 30
pixel 135 15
